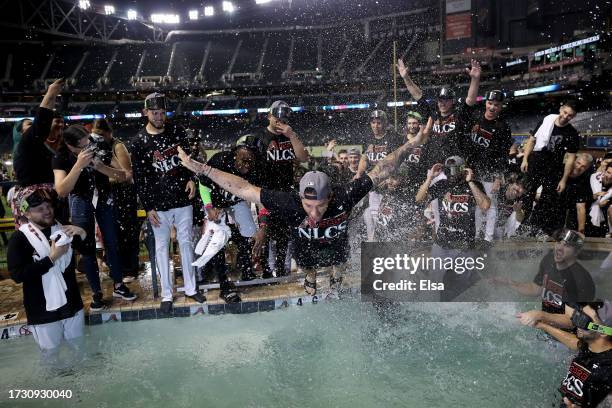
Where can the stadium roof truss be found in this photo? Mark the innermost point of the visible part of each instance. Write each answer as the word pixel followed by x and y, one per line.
pixel 65 19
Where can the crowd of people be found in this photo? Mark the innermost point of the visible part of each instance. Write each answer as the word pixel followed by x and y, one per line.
pixel 453 176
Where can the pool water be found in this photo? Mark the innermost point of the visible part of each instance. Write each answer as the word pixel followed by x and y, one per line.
pixel 333 354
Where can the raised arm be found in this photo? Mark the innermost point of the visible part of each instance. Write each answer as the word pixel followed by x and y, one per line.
pixel 474 73
pixel 229 182
pixel 301 154
pixel 413 88
pixel 389 164
pixel 482 200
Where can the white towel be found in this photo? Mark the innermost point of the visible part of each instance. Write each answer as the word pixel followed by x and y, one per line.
pixel 544 132
pixel 54 285
pixel 213 240
pixel 596 213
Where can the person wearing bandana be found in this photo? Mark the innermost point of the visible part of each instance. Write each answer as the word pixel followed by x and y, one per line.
pixel 39 256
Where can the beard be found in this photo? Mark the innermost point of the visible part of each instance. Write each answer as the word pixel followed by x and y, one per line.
pixel 156 126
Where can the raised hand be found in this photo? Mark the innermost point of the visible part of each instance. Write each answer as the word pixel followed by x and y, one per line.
pixel 475 71
pixel 401 68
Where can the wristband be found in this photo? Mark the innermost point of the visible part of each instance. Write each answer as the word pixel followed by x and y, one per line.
pixel 205 196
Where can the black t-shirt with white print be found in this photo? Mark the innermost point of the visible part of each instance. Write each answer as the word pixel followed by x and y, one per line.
pixel 486 146
pixel 572 284
pixel 225 161
pixel 376 149
pixel 457 207
pixel 325 243
pixel 562 140
pixel 443 141
pixel 280 156
pixel 159 177
pixel 397 214
pixel 589 378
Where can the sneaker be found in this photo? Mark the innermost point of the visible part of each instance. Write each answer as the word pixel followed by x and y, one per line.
pixel 97 302
pixel 123 292
pixel 198 297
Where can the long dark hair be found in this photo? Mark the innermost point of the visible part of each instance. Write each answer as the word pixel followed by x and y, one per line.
pixel 73 134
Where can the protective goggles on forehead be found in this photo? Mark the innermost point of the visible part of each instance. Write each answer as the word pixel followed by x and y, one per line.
pixel 570 237
pixel 282 113
pixel 155 103
pixel 35 199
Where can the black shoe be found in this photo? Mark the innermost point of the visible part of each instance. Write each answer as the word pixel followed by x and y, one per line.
pixel 230 296
pixel 97 302
pixel 198 297
pixel 124 293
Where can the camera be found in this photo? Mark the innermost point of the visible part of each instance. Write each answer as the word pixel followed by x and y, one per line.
pixel 100 148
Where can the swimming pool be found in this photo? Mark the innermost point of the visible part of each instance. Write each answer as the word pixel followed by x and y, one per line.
pixel 330 354
pixel 343 353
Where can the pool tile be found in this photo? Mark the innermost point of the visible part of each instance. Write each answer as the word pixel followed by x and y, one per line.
pixel 216 309
pixel 234 308
pixel 129 315
pixel 182 311
pixel 95 319
pixel 147 314
pixel 198 309
pixel 266 305
pixel 250 307
pixel 110 317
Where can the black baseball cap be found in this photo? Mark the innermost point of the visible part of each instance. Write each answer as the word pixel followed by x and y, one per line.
pixel 446 93
pixel 495 95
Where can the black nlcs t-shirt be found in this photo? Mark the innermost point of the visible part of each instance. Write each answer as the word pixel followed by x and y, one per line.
pixel 457 207
pixel 88 180
pixel 486 146
pixel 443 140
pixel 325 243
pixel 562 140
pixel 573 284
pixel 589 378
pixel 159 178
pixel 376 149
pixel 396 214
pixel 225 161
pixel 278 169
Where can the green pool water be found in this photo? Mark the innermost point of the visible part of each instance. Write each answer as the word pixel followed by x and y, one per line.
pixel 341 354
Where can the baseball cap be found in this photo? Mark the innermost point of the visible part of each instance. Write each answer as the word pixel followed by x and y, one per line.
pixel 314 185
pixel 155 100
pixel 251 142
pixel 495 95
pixel 416 115
pixel 446 93
pixel 454 161
pixel 378 114
pixel 354 152
pixel 281 110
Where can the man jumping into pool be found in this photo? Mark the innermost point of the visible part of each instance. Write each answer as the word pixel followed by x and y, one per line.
pixel 318 216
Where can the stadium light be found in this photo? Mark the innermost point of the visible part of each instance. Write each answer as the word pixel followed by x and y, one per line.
pixel 193 14
pixel 209 11
pixel 262 1
pixel 228 6
pixel 108 10
pixel 165 18
pixel 132 15
pixel 84 4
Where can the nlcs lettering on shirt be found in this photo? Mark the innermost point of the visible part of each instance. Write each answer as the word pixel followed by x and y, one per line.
pixel 575 379
pixel 456 203
pixel 328 228
pixel 282 151
pixel 481 137
pixel 552 293
pixel 166 160
pixel 447 127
